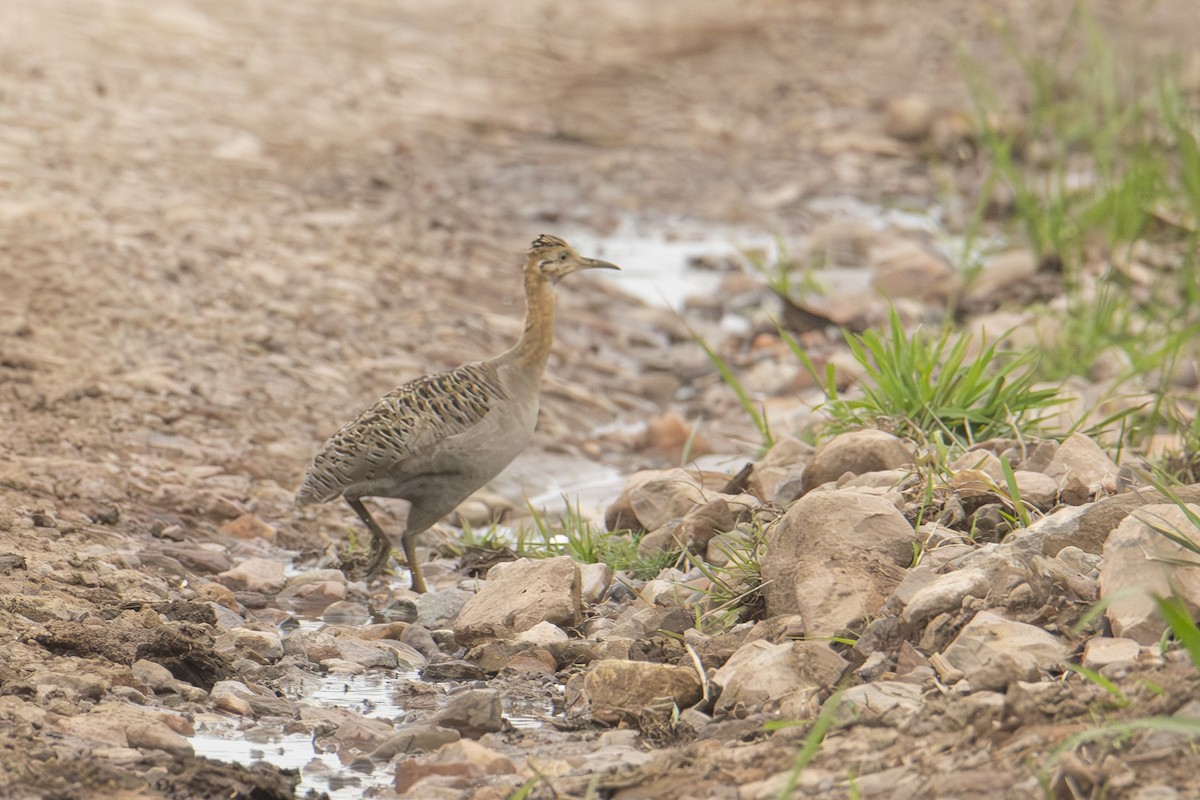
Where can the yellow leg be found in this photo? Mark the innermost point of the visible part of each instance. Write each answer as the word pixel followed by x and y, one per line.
pixel 410 554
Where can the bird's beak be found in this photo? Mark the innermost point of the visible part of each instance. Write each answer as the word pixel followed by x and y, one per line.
pixel 595 263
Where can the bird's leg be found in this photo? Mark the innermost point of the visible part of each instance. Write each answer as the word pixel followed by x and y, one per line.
pixel 410 554
pixel 381 546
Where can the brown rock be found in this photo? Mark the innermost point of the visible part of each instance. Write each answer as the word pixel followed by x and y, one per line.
pixel 992 652
pixel 467 763
pixel 621 690
pixel 248 526
pixel 783 463
pixel 759 675
pixel 652 498
pixel 856 452
pixel 905 268
pixel 1080 458
pixel 1137 566
pixel 908 118
pixel 834 558
pixel 520 594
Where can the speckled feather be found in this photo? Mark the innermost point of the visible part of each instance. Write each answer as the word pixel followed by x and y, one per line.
pixel 407 423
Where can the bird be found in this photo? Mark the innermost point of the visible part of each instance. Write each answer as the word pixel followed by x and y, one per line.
pixel 436 439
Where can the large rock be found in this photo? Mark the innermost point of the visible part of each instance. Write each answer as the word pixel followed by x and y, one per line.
pixel 1081 458
pixel 472 713
pixel 519 595
pixel 1135 567
pixel 1087 527
pixel 834 558
pixel 991 652
pixel 760 675
pixel 622 690
pixel 652 498
pixel 856 452
pixel 263 575
pixel 461 765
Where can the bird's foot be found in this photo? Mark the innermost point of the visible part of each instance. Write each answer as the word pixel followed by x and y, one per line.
pixel 364 566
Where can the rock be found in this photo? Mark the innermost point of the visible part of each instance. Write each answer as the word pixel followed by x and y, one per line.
pixel 492 655
pixel 999 272
pixel 1102 651
pixel 992 652
pixel 519 595
pixel 594 580
pixel 262 646
pixel 834 558
pixel 890 703
pixel 242 699
pixel 346 612
pixel 1133 570
pixel 472 713
pixel 760 675
pixel 783 463
pixel 544 634
pixel 652 498
pixel 856 452
pixel 366 653
pixel 1037 489
pixel 112 723
pixel 198 559
pixel 622 690
pixel 944 593
pixel 455 669
pixel 467 763
pixel 263 575
pixel 232 696
pixel 418 638
pixel 419 736
pixel 438 608
pixel 363 733
pixel 908 118
pixel 905 268
pixel 248 526
pixel 1081 458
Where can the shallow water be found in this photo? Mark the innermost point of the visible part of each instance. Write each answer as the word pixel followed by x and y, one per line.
pixel 373 694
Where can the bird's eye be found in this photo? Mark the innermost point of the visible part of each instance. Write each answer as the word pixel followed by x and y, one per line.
pixel 562 256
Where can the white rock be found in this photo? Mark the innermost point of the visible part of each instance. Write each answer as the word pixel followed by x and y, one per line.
pixel 1102 651
pixel 543 633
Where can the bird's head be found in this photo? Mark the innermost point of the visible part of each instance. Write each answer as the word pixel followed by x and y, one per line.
pixel 553 258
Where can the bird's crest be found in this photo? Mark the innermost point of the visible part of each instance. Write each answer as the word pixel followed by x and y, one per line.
pixel 546 240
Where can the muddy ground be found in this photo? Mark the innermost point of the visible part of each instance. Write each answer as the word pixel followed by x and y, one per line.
pixel 226 226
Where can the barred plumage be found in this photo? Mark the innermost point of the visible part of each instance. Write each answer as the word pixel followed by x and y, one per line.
pixel 403 425
pixel 438 438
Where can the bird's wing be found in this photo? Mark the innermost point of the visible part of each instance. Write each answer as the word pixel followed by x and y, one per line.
pixel 406 425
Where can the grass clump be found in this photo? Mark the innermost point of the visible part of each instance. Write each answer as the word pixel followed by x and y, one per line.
pixel 918 384
pixel 570 533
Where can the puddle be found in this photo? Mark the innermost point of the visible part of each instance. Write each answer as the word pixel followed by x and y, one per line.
pixel 376 694
pixel 658 267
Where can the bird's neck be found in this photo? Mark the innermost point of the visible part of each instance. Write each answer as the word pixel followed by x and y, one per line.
pixel 533 349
